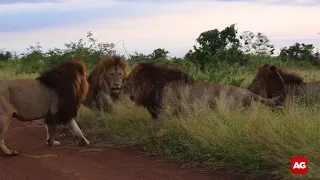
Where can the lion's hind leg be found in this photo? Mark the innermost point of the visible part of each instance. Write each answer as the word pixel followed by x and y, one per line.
pixel 4 124
pixel 76 132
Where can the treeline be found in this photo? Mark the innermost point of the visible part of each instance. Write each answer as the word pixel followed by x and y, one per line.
pixel 215 50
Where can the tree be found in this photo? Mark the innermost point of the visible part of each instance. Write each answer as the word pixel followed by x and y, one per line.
pixel 256 43
pixel 213 42
pixel 298 52
pixel 5 55
pixel 159 54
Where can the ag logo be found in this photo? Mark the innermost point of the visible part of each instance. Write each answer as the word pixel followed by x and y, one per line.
pixel 299 165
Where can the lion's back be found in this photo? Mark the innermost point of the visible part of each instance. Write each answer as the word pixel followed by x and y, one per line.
pixel 150 80
pixel 4 85
pixel 30 98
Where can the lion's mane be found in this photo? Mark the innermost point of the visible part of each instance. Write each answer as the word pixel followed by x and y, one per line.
pixel 96 78
pixel 288 77
pixel 68 80
pixel 148 81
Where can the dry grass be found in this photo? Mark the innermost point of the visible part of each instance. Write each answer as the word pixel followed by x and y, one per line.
pixel 259 142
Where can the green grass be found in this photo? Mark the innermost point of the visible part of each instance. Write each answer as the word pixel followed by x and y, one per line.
pixel 258 142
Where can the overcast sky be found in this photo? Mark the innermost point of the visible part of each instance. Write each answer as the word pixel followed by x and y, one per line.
pixel 149 24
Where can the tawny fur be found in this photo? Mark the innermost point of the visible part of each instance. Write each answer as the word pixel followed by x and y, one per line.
pixel 57 94
pixel 102 83
pixel 263 84
pixel 148 84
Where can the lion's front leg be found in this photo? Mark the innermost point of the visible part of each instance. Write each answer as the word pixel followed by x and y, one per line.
pixel 4 123
pixel 76 132
pixel 51 133
pixel 51 127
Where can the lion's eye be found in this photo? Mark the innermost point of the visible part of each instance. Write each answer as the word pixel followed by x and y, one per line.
pixel 111 74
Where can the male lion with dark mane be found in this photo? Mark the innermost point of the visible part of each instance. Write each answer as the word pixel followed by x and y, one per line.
pixel 264 84
pixel 105 81
pixel 56 95
pixel 148 84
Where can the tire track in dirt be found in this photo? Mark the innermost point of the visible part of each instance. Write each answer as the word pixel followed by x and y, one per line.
pixel 36 161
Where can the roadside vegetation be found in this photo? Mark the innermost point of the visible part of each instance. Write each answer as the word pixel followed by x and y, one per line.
pixel 258 142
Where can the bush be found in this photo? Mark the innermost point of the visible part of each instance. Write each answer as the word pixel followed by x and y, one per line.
pixel 258 142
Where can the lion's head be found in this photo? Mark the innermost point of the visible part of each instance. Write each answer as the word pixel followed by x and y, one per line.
pixel 68 80
pixel 146 81
pixel 269 80
pixel 108 75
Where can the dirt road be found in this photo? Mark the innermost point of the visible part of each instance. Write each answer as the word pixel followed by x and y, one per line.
pixel 37 161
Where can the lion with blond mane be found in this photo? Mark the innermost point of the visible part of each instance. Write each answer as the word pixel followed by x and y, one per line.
pixel 264 84
pixel 56 95
pixel 105 81
pixel 148 84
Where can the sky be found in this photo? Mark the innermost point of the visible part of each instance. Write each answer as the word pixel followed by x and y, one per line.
pixel 144 25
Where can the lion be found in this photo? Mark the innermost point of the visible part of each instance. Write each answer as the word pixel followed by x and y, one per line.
pixel 264 84
pixel 56 96
pixel 149 83
pixel 105 81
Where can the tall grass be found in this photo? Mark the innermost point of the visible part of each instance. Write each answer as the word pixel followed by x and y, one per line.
pixel 257 142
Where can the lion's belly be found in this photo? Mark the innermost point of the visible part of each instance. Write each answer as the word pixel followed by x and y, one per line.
pixel 30 99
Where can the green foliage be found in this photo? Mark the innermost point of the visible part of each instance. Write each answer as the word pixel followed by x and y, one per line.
pixel 5 55
pixel 215 46
pixel 258 142
pixel 88 50
pixel 213 58
pixel 159 54
pixel 300 52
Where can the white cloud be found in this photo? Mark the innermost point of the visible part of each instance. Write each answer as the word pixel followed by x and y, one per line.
pixel 306 1
pixel 177 30
pixel 60 5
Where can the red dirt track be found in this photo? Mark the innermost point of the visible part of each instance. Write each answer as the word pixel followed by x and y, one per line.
pixel 36 161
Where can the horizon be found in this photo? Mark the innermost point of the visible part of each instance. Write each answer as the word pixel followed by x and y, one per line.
pixel 148 25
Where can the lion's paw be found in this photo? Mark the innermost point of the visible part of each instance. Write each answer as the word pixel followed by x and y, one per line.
pixel 12 153
pixel 53 143
pixel 83 142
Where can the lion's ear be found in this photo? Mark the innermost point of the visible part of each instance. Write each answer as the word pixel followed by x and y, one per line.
pixel 272 68
pixel 263 66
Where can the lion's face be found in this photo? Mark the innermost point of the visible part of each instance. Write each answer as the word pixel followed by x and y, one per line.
pixel 267 81
pixel 259 84
pixel 114 78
